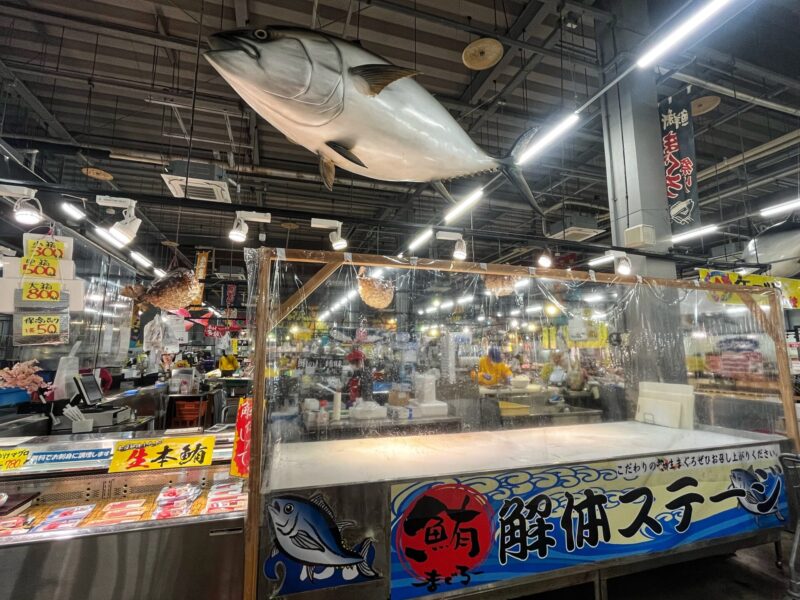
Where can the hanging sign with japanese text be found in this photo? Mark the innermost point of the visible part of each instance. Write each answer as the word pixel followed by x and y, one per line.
pixel 790 288
pixel 39 266
pixel 44 247
pixel 461 532
pixel 200 271
pixel 35 324
pixel 215 331
pixel 240 456
pixel 677 146
pixel 163 453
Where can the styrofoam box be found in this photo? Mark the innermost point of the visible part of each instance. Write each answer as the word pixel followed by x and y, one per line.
pixel 75 287
pixel 11 268
pixel 431 408
pixel 67 241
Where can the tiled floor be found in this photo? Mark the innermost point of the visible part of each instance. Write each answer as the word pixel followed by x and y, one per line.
pixel 750 574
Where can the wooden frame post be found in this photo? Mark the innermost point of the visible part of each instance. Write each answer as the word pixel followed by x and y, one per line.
pixel 785 378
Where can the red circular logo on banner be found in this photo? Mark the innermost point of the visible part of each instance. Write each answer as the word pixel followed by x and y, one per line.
pixel 445 532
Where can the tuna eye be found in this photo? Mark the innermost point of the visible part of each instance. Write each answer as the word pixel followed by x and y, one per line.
pixel 260 34
pixel 288 509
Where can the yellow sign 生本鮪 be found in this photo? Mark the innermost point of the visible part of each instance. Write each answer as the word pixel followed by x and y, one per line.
pixel 162 453
pixel 41 291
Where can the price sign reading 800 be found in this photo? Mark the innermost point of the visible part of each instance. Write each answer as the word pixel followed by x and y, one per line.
pixel 45 249
pixel 33 266
pixel 41 325
pixel 41 291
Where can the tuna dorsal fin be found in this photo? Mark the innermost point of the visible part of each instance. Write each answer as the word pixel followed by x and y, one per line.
pixel 378 77
pixel 318 501
pixel 345 153
pixel 327 169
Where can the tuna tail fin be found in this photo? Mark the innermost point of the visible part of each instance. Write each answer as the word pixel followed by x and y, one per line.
pixel 513 173
pixel 364 569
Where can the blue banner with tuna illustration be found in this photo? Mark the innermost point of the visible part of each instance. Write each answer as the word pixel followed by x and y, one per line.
pixel 464 532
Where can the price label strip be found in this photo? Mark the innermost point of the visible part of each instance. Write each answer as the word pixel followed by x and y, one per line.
pixel 39 266
pixel 41 291
pixel 13 458
pixel 163 453
pixel 44 248
pixel 41 325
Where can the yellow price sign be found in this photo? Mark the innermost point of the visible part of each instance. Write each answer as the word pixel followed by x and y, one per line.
pixel 41 291
pixel 38 266
pixel 162 453
pixel 45 248
pixel 13 458
pixel 41 325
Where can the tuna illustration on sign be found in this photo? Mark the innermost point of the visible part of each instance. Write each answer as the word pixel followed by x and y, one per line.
pixel 762 490
pixel 307 532
pixel 353 109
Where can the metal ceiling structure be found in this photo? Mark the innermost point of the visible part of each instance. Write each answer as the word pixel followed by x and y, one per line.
pixel 122 86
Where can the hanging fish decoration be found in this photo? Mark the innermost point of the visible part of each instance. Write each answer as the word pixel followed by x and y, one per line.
pixel 177 289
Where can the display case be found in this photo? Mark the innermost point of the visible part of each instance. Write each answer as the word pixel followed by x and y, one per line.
pixel 433 427
pixel 78 524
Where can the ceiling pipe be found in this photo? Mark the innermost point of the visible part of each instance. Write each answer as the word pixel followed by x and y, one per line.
pixel 726 91
pixel 764 150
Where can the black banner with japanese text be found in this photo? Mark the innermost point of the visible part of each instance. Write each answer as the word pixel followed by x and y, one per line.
pixel 677 145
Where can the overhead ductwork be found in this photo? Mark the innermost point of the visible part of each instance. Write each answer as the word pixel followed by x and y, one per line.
pixel 198 180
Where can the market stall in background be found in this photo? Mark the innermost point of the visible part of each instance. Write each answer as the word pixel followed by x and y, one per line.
pixel 438 426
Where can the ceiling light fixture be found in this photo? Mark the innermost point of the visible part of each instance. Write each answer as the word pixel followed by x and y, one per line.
pixel 338 243
pixel 141 259
pixel 158 272
pixel 462 206
pixel 688 235
pixel 73 211
pixel 460 251
pixel 540 143
pixel 545 259
pixel 623 266
pixel 601 260
pixel 238 232
pixel 125 231
pixel 106 236
pixel 28 211
pixel 420 239
pixel 780 208
pixel 681 32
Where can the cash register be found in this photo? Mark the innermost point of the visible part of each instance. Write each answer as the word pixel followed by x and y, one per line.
pixel 90 400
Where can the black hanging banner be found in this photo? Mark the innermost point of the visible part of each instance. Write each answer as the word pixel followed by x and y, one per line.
pixel 677 145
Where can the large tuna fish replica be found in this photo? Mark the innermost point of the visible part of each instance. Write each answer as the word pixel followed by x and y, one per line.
pixel 351 108
pixel 778 245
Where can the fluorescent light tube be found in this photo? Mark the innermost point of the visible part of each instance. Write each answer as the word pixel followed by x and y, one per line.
pixel 779 208
pixel 73 211
pixel 540 143
pixel 141 259
pixel 420 239
pixel 462 206
pixel 681 32
pixel 601 260
pixel 688 235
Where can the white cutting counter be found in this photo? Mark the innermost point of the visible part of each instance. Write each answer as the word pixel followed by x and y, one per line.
pixel 342 462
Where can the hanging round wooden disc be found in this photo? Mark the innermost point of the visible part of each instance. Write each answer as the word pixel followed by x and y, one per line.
pixel 95 173
pixel 483 53
pixel 704 104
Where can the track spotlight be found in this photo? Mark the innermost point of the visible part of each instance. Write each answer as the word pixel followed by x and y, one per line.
pixel 624 266
pixel 28 211
pixel 239 231
pixel 460 251
pixel 125 231
pixel 335 236
pixel 545 259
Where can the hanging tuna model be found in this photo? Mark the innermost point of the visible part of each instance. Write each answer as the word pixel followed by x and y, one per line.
pixel 177 289
pixel 352 108
pixel 779 246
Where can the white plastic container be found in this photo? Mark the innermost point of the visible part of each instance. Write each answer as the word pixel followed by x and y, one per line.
pixel 367 410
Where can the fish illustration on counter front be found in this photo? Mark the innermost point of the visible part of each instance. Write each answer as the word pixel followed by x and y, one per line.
pixel 353 109
pixel 762 490
pixel 306 531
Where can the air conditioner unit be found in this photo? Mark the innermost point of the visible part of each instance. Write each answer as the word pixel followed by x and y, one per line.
pixel 640 236
pixel 230 273
pixel 575 228
pixel 205 181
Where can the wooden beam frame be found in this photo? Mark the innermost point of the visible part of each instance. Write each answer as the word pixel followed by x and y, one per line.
pixel 304 292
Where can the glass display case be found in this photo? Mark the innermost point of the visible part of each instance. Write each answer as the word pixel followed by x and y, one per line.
pixel 438 427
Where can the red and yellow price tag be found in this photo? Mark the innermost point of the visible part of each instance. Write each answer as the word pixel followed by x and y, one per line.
pixel 41 325
pixel 163 453
pixel 44 248
pixel 13 458
pixel 240 457
pixel 38 266
pixel 41 291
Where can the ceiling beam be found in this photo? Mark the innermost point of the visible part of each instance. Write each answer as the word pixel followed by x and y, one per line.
pixel 79 23
pixel 241 12
pixel 506 40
